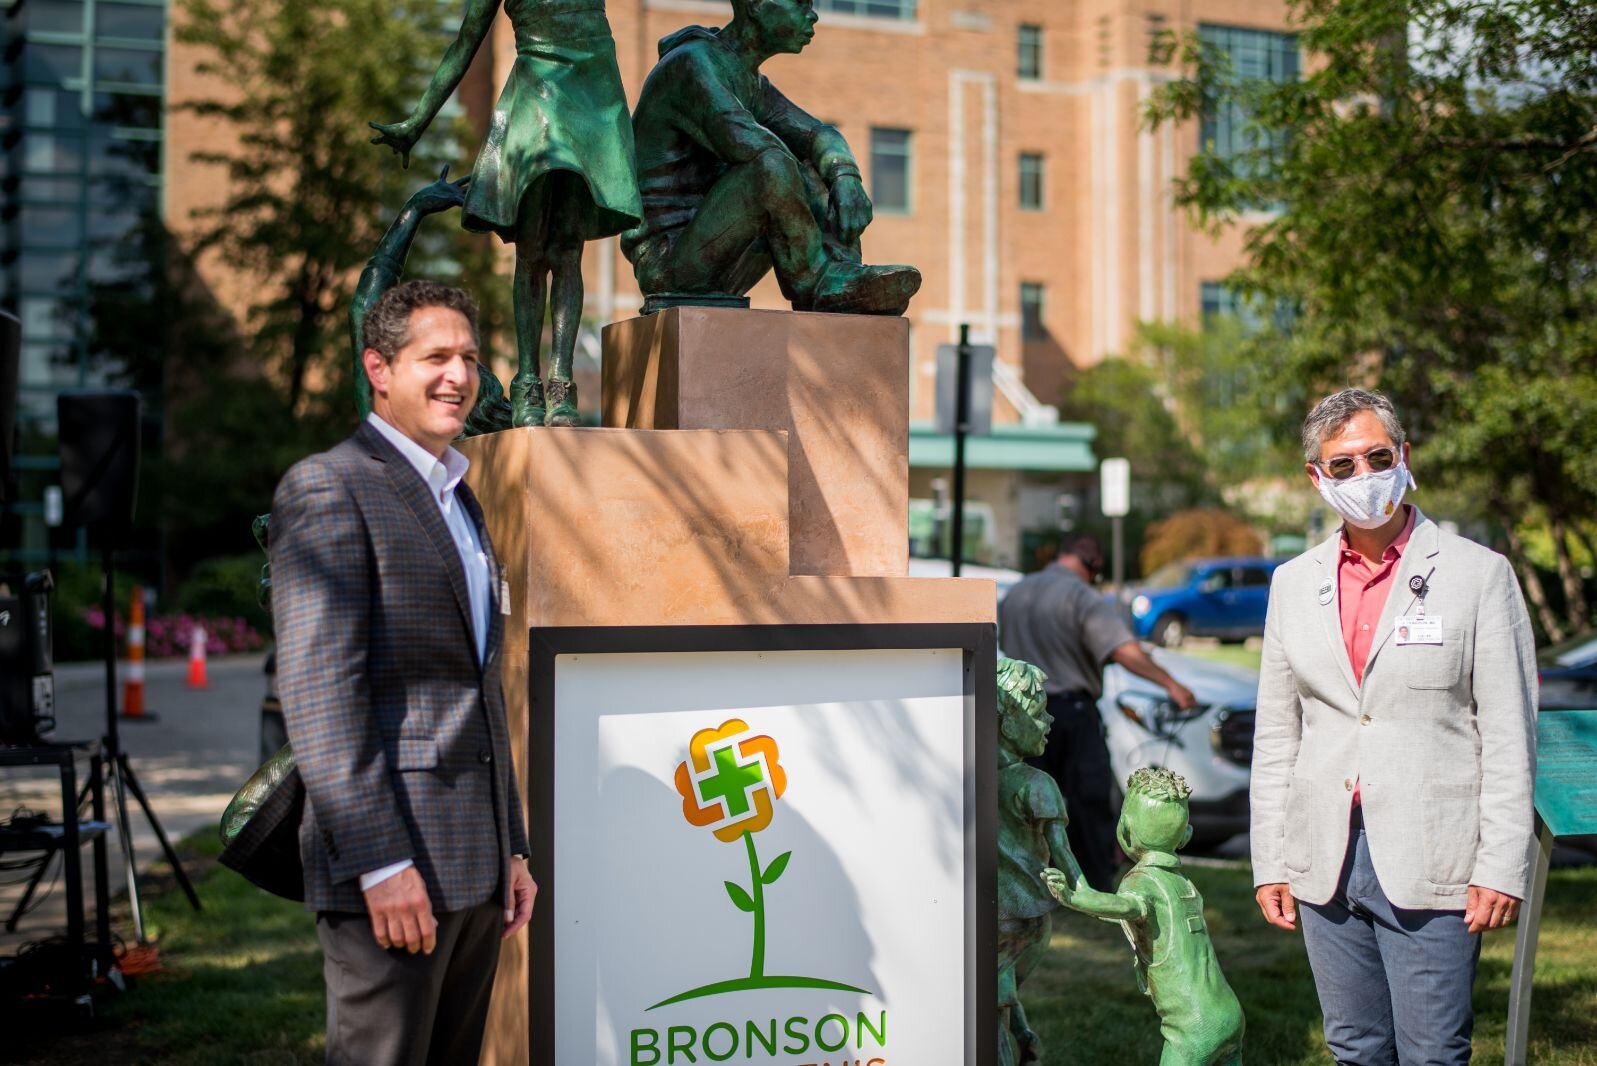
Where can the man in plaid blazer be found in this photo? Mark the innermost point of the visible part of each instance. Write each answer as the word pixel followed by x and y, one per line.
pixel 387 601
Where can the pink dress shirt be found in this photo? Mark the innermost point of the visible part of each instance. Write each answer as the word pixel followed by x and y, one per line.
pixel 1364 587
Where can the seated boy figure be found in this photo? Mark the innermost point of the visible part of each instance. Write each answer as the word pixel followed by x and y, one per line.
pixel 736 179
pixel 1031 828
pixel 1162 915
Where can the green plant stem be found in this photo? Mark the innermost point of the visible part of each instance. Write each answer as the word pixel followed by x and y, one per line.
pixel 757 964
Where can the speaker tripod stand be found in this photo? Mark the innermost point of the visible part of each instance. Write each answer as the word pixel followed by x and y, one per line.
pixel 120 771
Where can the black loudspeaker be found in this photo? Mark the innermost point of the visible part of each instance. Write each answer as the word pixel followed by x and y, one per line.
pixel 27 681
pixel 99 440
pixel 10 360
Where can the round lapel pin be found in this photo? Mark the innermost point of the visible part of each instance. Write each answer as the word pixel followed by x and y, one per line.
pixel 1416 585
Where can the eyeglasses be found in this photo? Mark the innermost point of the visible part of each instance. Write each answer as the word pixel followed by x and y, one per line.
pixel 1344 466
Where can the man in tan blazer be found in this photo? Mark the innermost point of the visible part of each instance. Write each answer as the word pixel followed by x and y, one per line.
pixel 1394 751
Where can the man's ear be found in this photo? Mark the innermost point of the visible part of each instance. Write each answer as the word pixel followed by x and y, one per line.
pixel 376 369
pixel 1313 472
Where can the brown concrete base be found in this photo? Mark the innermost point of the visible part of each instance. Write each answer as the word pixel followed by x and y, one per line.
pixel 839 384
pixel 654 527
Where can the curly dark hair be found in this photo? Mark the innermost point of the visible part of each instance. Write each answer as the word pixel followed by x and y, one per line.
pixel 387 325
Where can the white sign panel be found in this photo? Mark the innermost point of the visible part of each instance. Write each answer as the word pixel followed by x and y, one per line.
pixel 762 857
pixel 1114 487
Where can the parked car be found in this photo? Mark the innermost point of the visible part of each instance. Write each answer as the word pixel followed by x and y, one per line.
pixel 1003 578
pixel 1223 598
pixel 1569 674
pixel 1211 745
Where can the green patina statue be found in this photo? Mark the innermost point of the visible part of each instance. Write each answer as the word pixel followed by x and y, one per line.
pixel 1162 915
pixel 384 270
pixel 736 179
pixel 555 171
pixel 1031 833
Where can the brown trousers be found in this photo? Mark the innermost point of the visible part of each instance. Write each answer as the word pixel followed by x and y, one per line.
pixel 392 1008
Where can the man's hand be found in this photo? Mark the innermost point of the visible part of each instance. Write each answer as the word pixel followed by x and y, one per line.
pixel 402 915
pixel 1180 695
pixel 850 209
pixel 1489 909
pixel 1279 908
pixel 523 890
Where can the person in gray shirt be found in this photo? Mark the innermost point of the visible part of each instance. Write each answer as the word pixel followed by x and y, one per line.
pixel 1057 620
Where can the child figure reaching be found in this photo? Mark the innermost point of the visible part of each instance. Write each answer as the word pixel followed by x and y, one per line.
pixel 1162 915
pixel 555 172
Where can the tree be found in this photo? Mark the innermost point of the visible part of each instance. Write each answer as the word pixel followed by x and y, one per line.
pixel 1436 171
pixel 1195 534
pixel 1122 399
pixel 308 196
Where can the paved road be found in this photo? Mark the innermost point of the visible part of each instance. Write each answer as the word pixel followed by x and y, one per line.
pixel 190 759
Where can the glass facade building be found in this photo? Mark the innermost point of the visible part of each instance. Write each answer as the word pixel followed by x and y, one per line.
pixel 81 137
pixel 1254 55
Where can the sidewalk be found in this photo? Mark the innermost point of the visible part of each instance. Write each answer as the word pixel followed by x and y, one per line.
pixel 190 759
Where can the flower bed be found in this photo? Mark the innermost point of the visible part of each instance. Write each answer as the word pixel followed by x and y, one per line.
pixel 167 636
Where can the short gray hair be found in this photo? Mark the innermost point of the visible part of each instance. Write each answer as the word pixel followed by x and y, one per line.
pixel 1336 410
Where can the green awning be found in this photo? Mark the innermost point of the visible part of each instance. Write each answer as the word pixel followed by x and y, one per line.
pixel 1065 447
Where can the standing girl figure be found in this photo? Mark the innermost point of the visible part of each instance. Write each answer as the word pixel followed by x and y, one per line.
pixel 555 171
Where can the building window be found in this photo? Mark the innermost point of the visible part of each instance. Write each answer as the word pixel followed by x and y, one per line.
pixel 1255 55
pixel 1029 41
pixel 1031 311
pixel 876 9
pixel 891 162
pixel 1031 181
pixel 1220 301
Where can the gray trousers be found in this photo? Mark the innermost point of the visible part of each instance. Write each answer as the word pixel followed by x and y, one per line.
pixel 1394 984
pixel 392 1008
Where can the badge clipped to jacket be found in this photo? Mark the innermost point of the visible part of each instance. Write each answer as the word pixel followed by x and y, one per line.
pixel 1418 628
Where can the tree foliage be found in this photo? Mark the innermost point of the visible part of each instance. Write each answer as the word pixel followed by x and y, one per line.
pixel 1437 237
pixel 1196 534
pixel 308 196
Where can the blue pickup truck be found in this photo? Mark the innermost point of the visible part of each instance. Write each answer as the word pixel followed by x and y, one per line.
pixel 1224 598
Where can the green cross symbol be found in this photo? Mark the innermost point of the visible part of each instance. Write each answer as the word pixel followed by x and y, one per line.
pixel 729 782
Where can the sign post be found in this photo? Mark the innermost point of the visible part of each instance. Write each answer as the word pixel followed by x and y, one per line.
pixel 964 407
pixel 1114 493
pixel 1566 805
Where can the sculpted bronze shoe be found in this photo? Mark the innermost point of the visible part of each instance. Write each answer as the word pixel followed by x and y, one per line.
pixel 851 289
pixel 562 403
pixel 526 400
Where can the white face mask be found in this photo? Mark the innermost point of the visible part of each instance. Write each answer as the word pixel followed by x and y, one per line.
pixel 1370 500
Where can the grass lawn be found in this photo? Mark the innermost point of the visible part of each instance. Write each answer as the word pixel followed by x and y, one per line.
pixel 1247 655
pixel 242 983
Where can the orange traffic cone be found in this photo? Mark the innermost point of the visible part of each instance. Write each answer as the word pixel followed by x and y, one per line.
pixel 197 677
pixel 133 676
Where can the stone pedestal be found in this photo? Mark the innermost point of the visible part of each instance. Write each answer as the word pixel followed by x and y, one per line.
pixel 838 384
pixel 757 475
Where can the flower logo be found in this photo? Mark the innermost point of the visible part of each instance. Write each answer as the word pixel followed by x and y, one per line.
pixel 730 783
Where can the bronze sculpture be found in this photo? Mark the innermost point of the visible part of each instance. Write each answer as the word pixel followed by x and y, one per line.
pixel 737 180
pixel 1031 828
pixel 1162 915
pixel 554 172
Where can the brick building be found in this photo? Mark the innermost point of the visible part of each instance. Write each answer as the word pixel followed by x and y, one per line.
pixel 1000 139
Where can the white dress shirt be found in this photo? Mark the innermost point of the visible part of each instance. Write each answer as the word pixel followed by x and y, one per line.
pixel 441 476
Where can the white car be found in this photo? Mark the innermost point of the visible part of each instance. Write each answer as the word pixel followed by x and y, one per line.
pixel 1004 579
pixel 1211 746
